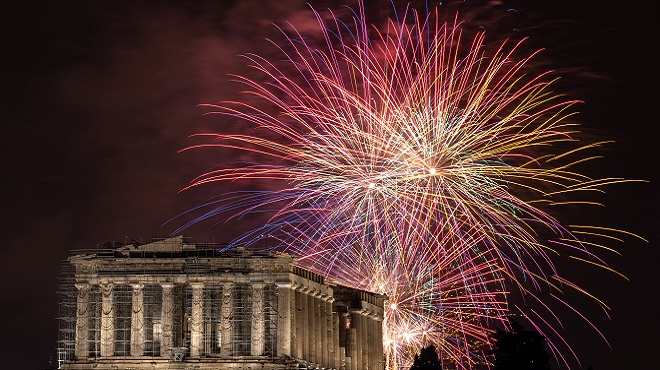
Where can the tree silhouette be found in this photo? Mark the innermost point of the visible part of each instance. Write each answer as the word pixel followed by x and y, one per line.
pixel 426 360
pixel 520 349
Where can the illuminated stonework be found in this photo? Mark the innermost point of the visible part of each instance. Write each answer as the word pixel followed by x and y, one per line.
pixel 173 305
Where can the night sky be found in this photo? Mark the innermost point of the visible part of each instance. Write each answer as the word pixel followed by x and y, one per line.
pixel 98 97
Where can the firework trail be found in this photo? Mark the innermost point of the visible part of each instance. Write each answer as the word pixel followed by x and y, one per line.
pixel 409 160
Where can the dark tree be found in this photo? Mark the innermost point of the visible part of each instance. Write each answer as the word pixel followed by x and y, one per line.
pixel 426 360
pixel 520 349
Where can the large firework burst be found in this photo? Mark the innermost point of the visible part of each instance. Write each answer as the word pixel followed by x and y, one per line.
pixel 411 162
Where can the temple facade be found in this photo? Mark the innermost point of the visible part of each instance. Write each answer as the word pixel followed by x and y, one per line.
pixel 173 305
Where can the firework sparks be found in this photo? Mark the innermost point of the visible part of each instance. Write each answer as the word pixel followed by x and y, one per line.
pixel 411 163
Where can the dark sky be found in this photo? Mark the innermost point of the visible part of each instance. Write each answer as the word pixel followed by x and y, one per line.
pixel 98 97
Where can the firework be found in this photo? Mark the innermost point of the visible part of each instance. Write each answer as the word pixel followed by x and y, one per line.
pixel 410 161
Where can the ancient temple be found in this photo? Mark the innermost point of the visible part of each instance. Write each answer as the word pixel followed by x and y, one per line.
pixel 174 305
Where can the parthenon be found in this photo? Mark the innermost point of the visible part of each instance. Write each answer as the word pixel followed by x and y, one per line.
pixel 174 305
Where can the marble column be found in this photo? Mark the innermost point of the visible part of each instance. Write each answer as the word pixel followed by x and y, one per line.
pixel 359 336
pixel 344 339
pixel 303 338
pixel 226 317
pixel 297 321
pixel 197 319
pixel 107 320
pixel 329 342
pixel 137 320
pixel 312 314
pixel 353 341
pixel 257 341
pixel 322 322
pixel 336 354
pixel 82 321
pixel 364 345
pixel 377 342
pixel 167 320
pixel 371 335
pixel 284 327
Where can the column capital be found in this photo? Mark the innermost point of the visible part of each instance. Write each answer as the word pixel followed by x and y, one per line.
pixel 376 316
pixel 284 284
pixel 358 311
pixel 106 288
pixel 258 285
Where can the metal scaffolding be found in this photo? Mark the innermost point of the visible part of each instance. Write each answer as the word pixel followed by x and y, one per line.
pixel 243 316
pixel 134 312
pixel 67 296
pixel 150 305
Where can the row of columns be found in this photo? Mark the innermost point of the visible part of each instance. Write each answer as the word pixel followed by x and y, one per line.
pixel 107 345
pixel 310 329
pixel 257 331
pixel 365 337
pixel 307 328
